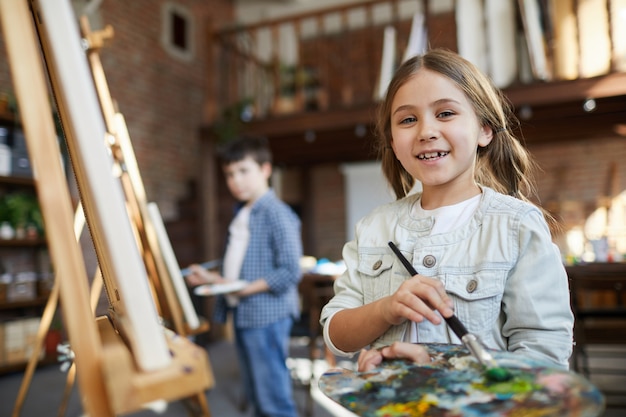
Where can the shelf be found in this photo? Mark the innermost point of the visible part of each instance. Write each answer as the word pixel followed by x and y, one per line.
pixel 35 302
pixel 22 242
pixel 17 180
pixel 7 117
pixel 21 307
pixel 20 366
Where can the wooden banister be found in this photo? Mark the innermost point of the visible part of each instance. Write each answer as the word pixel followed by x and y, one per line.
pixel 339 48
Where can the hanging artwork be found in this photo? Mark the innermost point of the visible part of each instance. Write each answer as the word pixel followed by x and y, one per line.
pixel 471 32
pixel 454 384
pixel 418 39
pixel 534 24
pixel 387 62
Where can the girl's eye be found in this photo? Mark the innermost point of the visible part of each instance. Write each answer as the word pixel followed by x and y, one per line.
pixel 446 113
pixel 408 120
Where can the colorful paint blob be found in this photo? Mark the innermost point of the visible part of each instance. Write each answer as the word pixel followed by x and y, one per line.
pixel 454 384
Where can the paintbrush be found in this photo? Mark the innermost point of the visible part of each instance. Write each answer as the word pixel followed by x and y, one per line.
pixel 206 265
pixel 471 342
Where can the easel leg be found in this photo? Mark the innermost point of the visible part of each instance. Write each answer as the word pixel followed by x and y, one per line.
pixel 95 292
pixel 197 406
pixel 44 326
pixel 69 384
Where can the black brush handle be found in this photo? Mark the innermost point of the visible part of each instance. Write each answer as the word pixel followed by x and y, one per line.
pixel 403 259
pixel 457 327
pixel 455 324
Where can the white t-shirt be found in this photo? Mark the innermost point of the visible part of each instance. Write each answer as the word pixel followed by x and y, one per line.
pixel 447 218
pixel 238 238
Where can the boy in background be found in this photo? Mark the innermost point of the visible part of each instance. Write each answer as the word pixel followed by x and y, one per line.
pixel 263 249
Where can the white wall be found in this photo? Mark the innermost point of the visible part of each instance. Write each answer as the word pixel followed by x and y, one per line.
pixel 366 188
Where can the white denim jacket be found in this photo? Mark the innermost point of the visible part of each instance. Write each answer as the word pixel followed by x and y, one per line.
pixel 501 268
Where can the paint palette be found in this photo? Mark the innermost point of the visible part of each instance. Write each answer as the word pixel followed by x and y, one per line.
pixel 216 289
pixel 454 384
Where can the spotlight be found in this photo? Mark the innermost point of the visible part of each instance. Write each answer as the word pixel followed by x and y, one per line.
pixel 360 130
pixel 309 136
pixel 525 112
pixel 589 105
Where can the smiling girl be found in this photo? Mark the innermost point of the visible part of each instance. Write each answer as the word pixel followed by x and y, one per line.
pixel 482 250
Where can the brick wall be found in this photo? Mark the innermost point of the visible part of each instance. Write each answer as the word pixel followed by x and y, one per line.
pixel 328 212
pixel 162 97
pixel 577 175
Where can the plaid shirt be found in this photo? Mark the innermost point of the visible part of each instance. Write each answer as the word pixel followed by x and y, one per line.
pixel 273 253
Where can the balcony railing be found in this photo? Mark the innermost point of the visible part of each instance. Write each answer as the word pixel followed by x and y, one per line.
pixel 337 58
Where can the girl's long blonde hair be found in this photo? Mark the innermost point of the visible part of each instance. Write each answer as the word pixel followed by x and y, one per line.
pixel 504 165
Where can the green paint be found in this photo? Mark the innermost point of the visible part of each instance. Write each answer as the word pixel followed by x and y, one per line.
pixel 516 385
pixel 498 374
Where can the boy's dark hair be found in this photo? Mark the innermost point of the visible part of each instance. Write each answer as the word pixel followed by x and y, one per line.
pixel 236 150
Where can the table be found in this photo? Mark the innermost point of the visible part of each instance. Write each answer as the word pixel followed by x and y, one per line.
pixel 598 297
pixel 598 285
pixel 316 290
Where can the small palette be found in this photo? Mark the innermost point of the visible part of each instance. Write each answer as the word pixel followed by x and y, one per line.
pixel 223 288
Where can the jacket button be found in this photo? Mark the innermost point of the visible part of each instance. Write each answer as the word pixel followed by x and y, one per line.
pixel 429 261
pixel 377 265
pixel 471 286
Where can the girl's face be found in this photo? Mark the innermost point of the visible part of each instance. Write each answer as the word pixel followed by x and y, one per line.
pixel 247 180
pixel 435 135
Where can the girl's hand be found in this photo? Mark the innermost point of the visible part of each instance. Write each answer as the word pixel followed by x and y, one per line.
pixel 370 359
pixel 198 276
pixel 417 299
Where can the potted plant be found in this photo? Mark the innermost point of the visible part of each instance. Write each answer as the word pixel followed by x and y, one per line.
pixel 22 212
pixel 8 105
pixel 233 118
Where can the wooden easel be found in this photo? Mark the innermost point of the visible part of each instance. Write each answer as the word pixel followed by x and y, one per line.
pixel 116 372
pixel 167 297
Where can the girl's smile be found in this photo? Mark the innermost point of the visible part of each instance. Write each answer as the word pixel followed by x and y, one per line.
pixel 427 156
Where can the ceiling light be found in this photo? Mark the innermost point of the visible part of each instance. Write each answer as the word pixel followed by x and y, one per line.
pixel 360 130
pixel 525 112
pixel 589 105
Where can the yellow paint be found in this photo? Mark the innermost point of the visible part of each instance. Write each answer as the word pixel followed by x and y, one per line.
pixel 532 412
pixel 413 408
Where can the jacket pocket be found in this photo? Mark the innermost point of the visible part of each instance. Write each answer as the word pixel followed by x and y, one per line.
pixel 376 273
pixel 477 299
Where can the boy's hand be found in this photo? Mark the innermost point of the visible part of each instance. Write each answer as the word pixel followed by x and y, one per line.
pixel 199 276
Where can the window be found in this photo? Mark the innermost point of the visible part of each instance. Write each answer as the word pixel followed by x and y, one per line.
pixel 177 31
